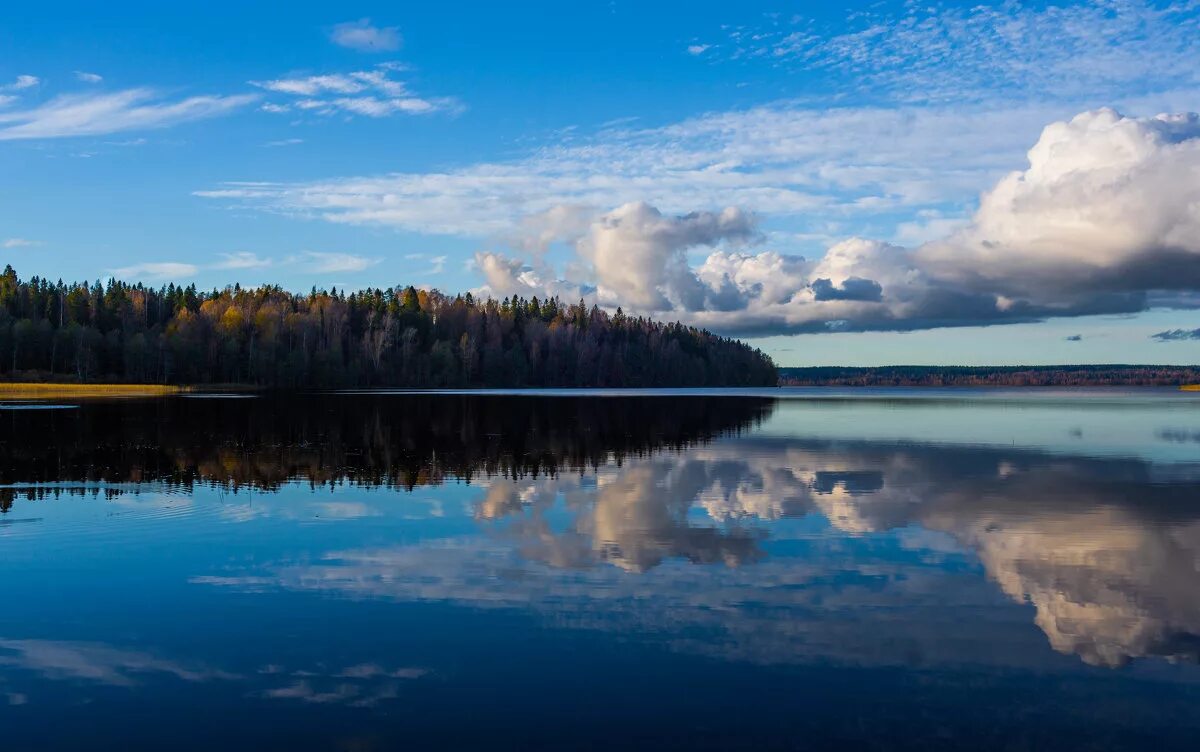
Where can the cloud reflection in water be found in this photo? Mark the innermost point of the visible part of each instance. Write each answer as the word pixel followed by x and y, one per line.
pixel 1107 559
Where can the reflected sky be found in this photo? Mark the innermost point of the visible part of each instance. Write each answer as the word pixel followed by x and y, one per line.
pixel 345 570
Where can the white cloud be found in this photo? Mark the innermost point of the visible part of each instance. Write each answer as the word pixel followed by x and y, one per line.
pixel 88 78
pixel 984 52
pixel 374 107
pixel 817 168
pixel 7 99
pixel 21 82
pixel 285 142
pixel 361 35
pixel 855 164
pixel 242 260
pixel 1108 203
pixel 321 263
pixel 20 243
pixel 638 255
pixel 698 49
pixel 156 270
pixel 1102 221
pixel 97 114
pixel 564 222
pixel 311 85
pixel 373 93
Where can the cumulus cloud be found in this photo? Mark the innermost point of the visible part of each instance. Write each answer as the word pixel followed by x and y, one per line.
pixel 1177 335
pixel 363 36
pixel 1106 206
pixel 638 255
pixel 1102 221
pixel 565 222
pixel 97 114
pixel 852 288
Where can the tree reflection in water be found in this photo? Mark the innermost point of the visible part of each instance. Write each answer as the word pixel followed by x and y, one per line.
pixel 1105 550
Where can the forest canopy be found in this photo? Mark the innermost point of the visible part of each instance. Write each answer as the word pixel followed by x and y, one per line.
pixel 399 336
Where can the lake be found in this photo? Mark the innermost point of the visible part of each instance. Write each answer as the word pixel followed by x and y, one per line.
pixel 764 569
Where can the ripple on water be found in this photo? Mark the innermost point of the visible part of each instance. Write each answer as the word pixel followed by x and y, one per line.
pixel 35 406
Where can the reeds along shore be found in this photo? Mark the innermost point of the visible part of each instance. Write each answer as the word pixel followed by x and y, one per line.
pixel 43 391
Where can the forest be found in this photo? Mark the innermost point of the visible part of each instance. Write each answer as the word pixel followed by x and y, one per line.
pixel 401 336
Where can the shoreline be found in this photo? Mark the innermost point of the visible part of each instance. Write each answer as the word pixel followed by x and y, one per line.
pixel 38 390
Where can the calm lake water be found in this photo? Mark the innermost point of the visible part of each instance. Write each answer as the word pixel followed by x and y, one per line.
pixel 774 569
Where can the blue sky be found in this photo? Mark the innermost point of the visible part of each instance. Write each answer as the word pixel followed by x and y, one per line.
pixel 838 184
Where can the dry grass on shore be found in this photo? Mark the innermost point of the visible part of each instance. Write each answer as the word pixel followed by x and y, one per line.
pixel 34 390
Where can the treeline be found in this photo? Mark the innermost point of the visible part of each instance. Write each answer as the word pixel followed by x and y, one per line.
pixel 1082 375
pixel 377 337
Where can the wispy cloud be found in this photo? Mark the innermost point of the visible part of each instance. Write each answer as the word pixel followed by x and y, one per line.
pixel 373 93
pixel 88 78
pixel 311 85
pixel 698 49
pixel 20 243
pixel 439 265
pixel 241 260
pixel 21 82
pixel 325 263
pixel 156 270
pixel 363 36
pixel 932 52
pixel 284 142
pixel 1177 335
pixel 97 114
pixel 824 169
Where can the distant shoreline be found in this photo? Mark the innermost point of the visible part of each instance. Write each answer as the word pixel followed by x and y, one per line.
pixel 1186 377
pixel 36 391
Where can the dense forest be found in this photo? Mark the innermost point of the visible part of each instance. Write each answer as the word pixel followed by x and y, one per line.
pixel 1082 375
pixel 377 337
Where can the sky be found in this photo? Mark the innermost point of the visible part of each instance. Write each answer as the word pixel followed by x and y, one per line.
pixel 862 184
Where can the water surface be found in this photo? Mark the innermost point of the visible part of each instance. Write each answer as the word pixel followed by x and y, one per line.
pixel 768 569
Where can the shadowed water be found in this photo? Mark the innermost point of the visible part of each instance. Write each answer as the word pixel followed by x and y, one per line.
pixel 774 569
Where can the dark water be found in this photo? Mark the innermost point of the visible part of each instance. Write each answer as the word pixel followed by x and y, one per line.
pixel 862 570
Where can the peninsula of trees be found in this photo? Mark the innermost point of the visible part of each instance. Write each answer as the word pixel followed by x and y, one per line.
pixel 402 337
